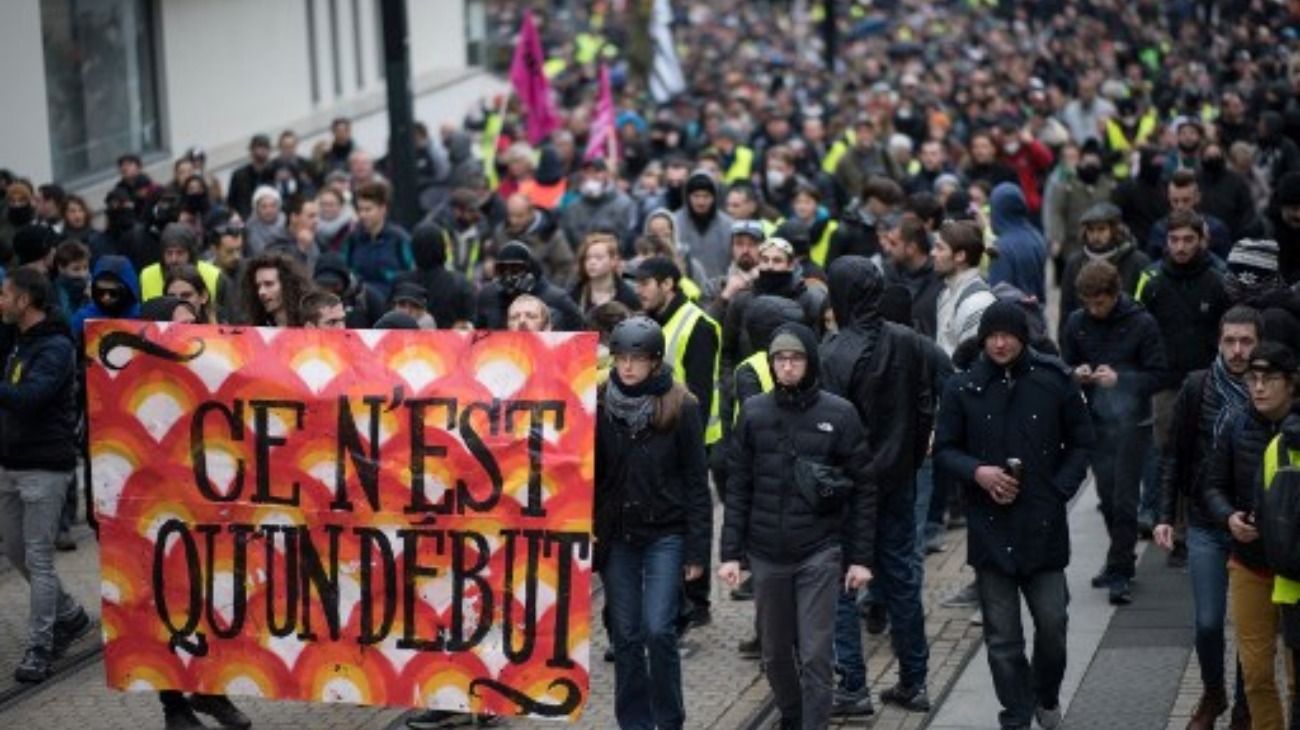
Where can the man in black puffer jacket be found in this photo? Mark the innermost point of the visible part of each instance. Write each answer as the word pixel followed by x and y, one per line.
pixel 1015 429
pixel 798 541
pixel 882 370
pixel 1113 344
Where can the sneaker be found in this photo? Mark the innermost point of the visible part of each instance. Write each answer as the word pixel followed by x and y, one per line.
pixel 852 703
pixel 1049 718
pixel 1178 556
pixel 1121 591
pixel 751 649
pixel 965 598
pixel 221 709
pixel 36 666
pixel 181 718
pixel 877 619
pixel 977 618
pixel 64 542
pixel 912 699
pixel 744 591
pixel 1102 579
pixel 790 723
pixel 67 632
pixel 698 618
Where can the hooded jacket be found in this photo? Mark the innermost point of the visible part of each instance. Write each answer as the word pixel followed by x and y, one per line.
pixel 882 370
pixel 548 243
pixel 762 318
pixel 1022 252
pixel 1128 340
pixel 706 238
pixel 766 515
pixel 494 300
pixel 451 298
pixel 1033 411
pixel 38 404
pixel 119 269
pixel 362 305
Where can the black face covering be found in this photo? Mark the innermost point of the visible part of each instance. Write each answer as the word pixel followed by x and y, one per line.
pixel 1213 166
pixel 773 282
pixel 516 283
pixel 21 215
pixel 120 218
pixel 1089 174
pixel 196 202
pixel 675 195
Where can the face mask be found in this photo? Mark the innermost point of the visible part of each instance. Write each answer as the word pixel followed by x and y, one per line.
pixel 1089 174
pixel 1213 166
pixel 196 201
pixel 592 189
pixel 120 218
pixel 775 179
pixel 773 282
pixel 1011 147
pixel 21 215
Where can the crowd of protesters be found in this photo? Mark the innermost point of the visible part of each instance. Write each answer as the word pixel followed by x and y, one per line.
pixel 822 290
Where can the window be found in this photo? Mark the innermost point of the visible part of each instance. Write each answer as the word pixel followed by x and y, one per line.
pixel 100 83
pixel 476 42
pixel 334 48
pixel 356 43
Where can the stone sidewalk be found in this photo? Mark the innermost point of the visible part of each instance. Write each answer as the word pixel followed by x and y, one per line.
pixel 722 690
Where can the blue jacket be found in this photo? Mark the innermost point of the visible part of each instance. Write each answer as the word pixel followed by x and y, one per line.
pixel 1022 252
pixel 377 260
pixel 118 267
pixel 38 406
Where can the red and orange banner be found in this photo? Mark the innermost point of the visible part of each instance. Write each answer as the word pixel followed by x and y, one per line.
pixel 375 517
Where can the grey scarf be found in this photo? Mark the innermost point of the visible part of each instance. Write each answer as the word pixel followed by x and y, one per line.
pixel 633 410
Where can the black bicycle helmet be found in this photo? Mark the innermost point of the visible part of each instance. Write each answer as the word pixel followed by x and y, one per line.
pixel 638 335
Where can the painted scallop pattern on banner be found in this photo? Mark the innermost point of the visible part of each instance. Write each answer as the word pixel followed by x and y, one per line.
pixel 225 592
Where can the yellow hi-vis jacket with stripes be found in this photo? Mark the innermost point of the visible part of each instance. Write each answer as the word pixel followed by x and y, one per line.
pixel 1285 590
pixel 757 361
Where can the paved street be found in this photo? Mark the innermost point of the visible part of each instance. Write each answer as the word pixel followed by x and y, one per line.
pixel 1134 657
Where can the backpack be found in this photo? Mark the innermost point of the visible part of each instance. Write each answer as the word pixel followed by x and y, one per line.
pixel 1005 292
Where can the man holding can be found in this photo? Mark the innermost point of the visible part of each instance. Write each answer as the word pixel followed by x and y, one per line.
pixel 1015 429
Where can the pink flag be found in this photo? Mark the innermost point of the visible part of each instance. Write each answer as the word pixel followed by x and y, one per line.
pixel 529 80
pixel 604 134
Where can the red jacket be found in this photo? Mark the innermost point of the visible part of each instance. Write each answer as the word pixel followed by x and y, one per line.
pixel 1031 162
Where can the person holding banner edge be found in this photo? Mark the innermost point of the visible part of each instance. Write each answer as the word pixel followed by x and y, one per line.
pixel 653 521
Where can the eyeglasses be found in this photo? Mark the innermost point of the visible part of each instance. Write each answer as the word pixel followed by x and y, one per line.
pixel 1257 378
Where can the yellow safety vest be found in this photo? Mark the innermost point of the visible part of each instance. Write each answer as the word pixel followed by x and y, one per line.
pixel 1285 590
pixel 1144 279
pixel 488 146
pixel 470 262
pixel 1122 145
pixel 822 248
pixel 763 369
pixel 741 167
pixel 690 289
pixel 677 333
pixel 152 281
pixel 837 151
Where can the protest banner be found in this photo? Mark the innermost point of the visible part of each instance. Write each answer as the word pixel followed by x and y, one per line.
pixel 376 517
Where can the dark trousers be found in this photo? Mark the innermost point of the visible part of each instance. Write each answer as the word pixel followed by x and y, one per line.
pixel 642 584
pixel 897 584
pixel 795 604
pixel 1022 684
pixel 1117 465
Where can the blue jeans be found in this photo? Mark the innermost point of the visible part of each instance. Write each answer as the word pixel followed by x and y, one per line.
pixel 924 492
pixel 1021 685
pixel 642 589
pixel 30 505
pixel 1207 564
pixel 897 583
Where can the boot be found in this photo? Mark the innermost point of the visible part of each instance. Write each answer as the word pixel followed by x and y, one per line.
pixel 1240 717
pixel 1213 702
